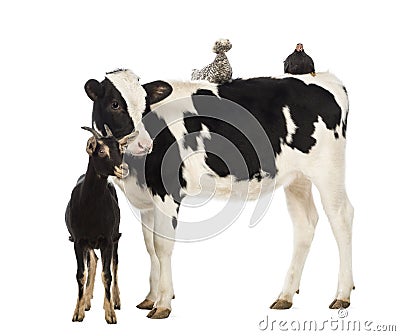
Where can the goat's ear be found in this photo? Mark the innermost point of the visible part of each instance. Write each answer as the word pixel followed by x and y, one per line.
pixel 157 91
pixel 91 145
pixel 94 89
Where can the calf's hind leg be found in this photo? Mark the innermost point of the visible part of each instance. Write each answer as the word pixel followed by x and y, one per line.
pixel 340 214
pixel 304 216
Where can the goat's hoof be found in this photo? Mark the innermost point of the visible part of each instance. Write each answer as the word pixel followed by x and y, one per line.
pixel 78 316
pixel 159 313
pixel 88 305
pixel 281 304
pixel 117 303
pixel 111 318
pixel 337 304
pixel 146 304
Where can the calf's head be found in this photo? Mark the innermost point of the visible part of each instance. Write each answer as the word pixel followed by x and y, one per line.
pixel 107 152
pixel 119 101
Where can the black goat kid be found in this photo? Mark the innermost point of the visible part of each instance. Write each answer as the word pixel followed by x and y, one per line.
pixel 92 217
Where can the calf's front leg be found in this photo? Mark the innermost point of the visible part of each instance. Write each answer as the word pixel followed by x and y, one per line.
pixel 165 219
pixel 147 218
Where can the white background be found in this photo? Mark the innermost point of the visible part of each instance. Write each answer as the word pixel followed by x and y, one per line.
pixel 224 285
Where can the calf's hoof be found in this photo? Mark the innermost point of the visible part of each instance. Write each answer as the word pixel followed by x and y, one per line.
pixel 146 304
pixel 281 304
pixel 337 304
pixel 159 313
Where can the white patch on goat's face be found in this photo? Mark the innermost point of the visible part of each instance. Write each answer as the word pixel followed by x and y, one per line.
pixel 127 83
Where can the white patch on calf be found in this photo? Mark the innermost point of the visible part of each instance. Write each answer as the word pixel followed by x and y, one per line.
pixel 142 141
pixel 139 197
pixel 322 157
pixel 127 83
pixel 181 90
pixel 291 126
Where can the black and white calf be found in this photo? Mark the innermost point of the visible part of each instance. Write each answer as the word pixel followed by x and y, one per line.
pixel 305 120
pixel 92 217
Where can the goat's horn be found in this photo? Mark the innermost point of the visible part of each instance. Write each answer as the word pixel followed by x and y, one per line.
pixel 108 131
pixel 96 134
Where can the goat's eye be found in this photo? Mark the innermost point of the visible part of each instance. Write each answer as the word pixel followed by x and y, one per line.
pixel 115 105
pixel 102 152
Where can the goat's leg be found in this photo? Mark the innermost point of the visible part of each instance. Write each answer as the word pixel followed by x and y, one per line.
pixel 106 255
pixel 115 289
pixel 92 265
pixel 340 214
pixel 80 254
pixel 304 216
pixel 164 235
pixel 147 218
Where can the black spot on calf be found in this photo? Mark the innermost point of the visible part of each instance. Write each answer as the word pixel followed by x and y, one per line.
pixel 174 222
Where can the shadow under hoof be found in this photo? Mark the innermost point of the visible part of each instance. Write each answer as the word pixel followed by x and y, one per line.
pixel 159 313
pixel 281 304
pixel 146 304
pixel 337 304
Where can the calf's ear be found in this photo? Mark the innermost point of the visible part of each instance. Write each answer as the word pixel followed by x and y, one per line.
pixel 94 89
pixel 127 139
pixel 157 91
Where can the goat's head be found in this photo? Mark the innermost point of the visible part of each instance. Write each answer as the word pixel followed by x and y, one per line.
pixel 120 102
pixel 107 152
